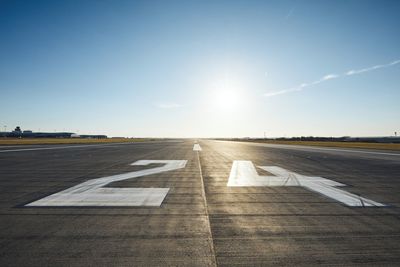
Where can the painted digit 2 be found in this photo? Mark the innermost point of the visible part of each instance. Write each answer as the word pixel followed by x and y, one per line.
pixel 93 192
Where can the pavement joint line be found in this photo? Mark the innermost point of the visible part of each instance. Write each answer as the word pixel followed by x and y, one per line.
pixel 214 258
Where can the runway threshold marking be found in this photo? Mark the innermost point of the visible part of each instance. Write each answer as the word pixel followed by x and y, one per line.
pixel 93 192
pixel 244 173
pixel 197 147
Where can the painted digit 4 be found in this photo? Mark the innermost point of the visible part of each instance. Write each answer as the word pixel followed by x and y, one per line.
pixel 93 192
pixel 243 173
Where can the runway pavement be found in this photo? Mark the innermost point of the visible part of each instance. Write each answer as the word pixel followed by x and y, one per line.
pixel 217 203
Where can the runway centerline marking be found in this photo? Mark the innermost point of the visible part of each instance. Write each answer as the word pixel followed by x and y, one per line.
pixel 244 173
pixel 197 147
pixel 93 192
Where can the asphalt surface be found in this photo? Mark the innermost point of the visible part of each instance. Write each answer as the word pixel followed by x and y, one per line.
pixel 202 221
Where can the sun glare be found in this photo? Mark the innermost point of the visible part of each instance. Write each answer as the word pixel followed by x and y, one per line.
pixel 226 96
pixel 226 100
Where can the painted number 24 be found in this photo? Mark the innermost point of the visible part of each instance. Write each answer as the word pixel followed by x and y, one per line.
pixel 243 173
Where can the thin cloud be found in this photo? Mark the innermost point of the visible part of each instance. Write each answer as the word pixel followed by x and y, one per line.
pixel 302 86
pixel 281 92
pixel 331 76
pixel 168 105
pixel 352 72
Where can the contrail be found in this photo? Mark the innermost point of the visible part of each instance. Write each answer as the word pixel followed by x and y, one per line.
pixel 330 77
pixel 168 105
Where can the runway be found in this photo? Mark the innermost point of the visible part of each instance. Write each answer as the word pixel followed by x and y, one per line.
pixel 198 203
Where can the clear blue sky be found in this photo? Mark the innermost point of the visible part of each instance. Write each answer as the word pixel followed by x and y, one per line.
pixel 201 68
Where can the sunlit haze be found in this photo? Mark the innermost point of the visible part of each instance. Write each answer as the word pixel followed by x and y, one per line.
pixel 201 68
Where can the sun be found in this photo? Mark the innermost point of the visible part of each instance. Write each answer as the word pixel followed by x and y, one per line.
pixel 226 99
pixel 226 95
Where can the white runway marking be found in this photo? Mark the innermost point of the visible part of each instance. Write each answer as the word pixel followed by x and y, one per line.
pixel 243 173
pixel 299 147
pixel 80 146
pixel 196 147
pixel 93 192
pixel 62 147
pixel 350 151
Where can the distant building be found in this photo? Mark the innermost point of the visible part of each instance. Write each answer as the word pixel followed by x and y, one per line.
pixel 18 133
pixel 17 129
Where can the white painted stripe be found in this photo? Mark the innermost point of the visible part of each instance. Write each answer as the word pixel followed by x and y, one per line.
pixel 80 146
pixel 196 147
pixel 47 148
pixel 301 147
pixel 348 150
pixel 243 173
